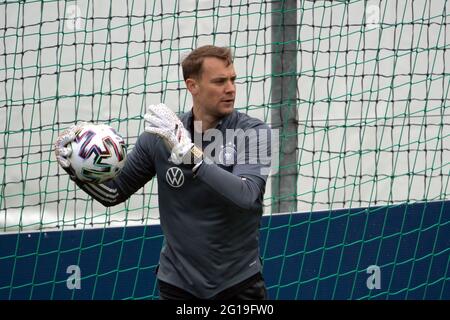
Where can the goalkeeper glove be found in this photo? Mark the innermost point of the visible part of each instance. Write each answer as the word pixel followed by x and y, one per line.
pixel 62 148
pixel 162 121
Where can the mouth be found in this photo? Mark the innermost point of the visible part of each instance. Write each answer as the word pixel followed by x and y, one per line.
pixel 228 100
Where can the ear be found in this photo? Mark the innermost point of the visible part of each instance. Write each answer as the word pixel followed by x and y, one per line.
pixel 192 86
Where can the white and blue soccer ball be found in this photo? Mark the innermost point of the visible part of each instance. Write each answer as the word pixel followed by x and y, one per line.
pixel 98 153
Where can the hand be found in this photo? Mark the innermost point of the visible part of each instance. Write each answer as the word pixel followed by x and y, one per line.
pixel 162 121
pixel 62 151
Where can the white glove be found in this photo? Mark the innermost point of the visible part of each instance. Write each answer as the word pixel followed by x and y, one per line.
pixel 62 152
pixel 162 121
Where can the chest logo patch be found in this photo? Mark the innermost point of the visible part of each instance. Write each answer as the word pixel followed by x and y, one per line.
pixel 227 155
pixel 175 177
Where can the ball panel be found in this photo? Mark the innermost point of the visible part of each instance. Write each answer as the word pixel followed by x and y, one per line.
pixel 98 153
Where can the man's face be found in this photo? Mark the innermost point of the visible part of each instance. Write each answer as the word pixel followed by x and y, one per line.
pixel 215 90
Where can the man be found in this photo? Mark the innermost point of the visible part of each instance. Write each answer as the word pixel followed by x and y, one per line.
pixel 210 202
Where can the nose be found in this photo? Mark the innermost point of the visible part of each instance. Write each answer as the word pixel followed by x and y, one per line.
pixel 230 87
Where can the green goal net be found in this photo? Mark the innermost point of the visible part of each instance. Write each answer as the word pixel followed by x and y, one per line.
pixel 367 118
pixel 371 95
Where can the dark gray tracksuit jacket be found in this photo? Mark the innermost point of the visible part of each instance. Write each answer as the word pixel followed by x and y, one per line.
pixel 210 220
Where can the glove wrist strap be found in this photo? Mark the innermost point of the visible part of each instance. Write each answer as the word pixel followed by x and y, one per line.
pixel 197 158
pixel 197 154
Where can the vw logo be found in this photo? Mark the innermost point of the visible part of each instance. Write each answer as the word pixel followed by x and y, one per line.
pixel 175 177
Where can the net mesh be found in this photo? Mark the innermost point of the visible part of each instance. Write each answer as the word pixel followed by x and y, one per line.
pixel 371 103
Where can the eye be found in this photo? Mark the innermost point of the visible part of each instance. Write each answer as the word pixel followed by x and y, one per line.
pixel 220 81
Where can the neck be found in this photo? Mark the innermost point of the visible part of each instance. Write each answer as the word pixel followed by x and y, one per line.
pixel 208 121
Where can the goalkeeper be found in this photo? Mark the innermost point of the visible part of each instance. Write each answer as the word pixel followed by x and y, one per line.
pixel 210 204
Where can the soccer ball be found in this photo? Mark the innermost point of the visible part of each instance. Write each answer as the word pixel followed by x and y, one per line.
pixel 98 153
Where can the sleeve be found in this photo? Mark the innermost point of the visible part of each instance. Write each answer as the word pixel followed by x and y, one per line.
pixel 243 187
pixel 138 170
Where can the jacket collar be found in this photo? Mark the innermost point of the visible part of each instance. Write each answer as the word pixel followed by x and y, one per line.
pixel 188 120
